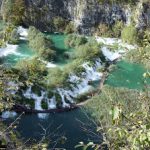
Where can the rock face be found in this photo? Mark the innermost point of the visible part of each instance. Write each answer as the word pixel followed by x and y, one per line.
pixel 86 14
pixel 143 14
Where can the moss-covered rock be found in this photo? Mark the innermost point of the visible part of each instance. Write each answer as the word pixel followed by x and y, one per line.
pixel 44 105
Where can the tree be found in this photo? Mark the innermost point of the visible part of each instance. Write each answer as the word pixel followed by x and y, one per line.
pixel 129 34
pixel 13 11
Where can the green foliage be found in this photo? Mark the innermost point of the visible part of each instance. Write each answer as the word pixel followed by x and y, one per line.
pixel 44 105
pixel 104 30
pixel 59 24
pixel 129 34
pixel 31 71
pixel 88 51
pixel 14 37
pixel 9 34
pixel 40 44
pixel 131 2
pixel 6 77
pixel 110 31
pixel 117 29
pixel 135 134
pixel 56 78
pixel 146 38
pixel 74 40
pixel 70 28
pixel 124 116
pixel 75 67
pixel 101 105
pixel 141 56
pixel 13 10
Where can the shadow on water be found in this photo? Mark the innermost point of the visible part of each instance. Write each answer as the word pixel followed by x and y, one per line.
pixel 62 51
pixel 63 129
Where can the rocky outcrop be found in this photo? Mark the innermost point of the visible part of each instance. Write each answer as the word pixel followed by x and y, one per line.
pixel 86 14
pixel 142 14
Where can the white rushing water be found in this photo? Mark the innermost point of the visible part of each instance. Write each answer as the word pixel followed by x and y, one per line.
pixel 114 41
pixel 79 84
pixel 9 49
pixel 12 49
pixel 38 101
pixel 51 103
pixel 8 114
pixel 23 33
pixel 109 55
pixel 48 64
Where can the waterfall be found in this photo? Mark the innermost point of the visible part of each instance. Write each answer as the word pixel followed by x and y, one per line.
pixel 12 49
pixel 110 56
pixel 78 86
pixel 113 41
pixel 51 103
pixel 8 114
pixel 22 32
pixel 9 49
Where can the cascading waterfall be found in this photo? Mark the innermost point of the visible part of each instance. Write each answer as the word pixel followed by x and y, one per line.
pixel 51 103
pixel 12 49
pixel 115 41
pixel 110 56
pixel 23 33
pixel 68 95
pixel 78 84
pixel 9 49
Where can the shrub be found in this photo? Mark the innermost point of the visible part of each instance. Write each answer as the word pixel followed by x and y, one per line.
pixel 13 10
pixel 123 115
pixel 129 34
pixel 59 24
pixel 73 40
pixel 104 30
pixel 48 54
pixel 70 28
pixel 75 67
pixel 56 78
pixel 14 37
pixel 117 29
pixel 88 51
pixel 31 70
pixel 146 38
pixel 40 44
pixel 141 56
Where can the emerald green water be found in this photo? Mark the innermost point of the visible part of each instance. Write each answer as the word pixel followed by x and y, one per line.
pixel 22 52
pixel 60 48
pixel 124 75
pixel 128 75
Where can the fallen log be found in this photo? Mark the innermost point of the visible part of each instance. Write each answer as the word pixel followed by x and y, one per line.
pixel 21 108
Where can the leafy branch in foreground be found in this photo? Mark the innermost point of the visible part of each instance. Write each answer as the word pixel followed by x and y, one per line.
pixel 124 117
